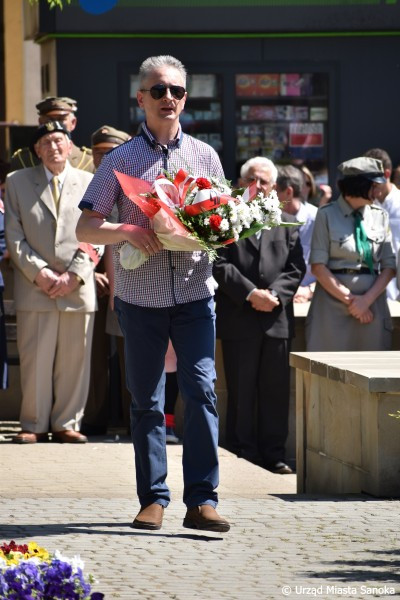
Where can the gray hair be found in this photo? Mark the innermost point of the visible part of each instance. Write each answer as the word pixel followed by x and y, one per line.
pixel 262 163
pixel 156 62
pixel 290 176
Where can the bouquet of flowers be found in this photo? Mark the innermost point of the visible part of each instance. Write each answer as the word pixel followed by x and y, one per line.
pixel 29 572
pixel 200 213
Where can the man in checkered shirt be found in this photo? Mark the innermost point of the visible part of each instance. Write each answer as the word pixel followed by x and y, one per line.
pixel 170 296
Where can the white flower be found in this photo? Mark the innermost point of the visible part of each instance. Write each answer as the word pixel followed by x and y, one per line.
pixel 213 238
pixel 206 221
pixel 224 225
pixel 76 562
pixel 271 202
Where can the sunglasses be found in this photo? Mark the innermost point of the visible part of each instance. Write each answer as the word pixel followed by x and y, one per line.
pixel 159 90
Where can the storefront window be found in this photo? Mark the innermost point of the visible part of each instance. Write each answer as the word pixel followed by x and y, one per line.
pixel 202 116
pixel 283 116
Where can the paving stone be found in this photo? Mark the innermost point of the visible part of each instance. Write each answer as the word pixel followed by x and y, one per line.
pixel 81 500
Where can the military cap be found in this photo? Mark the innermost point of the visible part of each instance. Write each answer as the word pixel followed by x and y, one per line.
pixel 109 135
pixel 55 103
pixel 363 166
pixel 46 128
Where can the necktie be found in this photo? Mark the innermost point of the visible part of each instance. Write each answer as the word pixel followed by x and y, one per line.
pixel 55 190
pixel 363 245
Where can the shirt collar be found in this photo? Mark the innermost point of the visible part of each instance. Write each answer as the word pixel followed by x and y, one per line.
pixel 301 214
pixel 346 208
pixel 61 176
pixel 151 140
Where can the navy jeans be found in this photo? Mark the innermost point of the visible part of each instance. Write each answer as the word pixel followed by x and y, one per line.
pixel 191 327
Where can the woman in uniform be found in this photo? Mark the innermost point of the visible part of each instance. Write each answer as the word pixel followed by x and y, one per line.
pixel 353 260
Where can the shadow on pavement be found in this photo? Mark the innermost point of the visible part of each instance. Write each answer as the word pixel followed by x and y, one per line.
pixel 28 530
pixel 331 498
pixel 348 571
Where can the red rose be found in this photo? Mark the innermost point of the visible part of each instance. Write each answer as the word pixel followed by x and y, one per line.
pixel 215 221
pixel 203 183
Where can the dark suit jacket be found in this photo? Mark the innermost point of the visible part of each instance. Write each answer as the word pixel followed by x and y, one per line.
pixel 274 262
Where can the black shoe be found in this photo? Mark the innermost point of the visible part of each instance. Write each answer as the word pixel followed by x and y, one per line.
pixel 280 468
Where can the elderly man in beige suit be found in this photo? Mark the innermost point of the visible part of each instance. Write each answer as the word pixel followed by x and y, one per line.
pixel 54 290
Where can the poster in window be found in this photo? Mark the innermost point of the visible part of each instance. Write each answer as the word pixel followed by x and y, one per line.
pixel 306 140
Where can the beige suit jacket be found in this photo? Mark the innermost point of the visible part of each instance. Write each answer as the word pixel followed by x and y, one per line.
pixel 38 237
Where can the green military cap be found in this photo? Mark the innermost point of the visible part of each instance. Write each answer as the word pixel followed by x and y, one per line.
pixel 109 135
pixel 363 166
pixel 54 103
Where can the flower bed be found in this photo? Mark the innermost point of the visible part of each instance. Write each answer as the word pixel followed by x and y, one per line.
pixel 30 572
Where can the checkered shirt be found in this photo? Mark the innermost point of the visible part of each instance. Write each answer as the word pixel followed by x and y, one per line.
pixel 167 278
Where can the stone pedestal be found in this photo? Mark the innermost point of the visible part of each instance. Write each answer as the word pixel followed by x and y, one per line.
pixel 346 440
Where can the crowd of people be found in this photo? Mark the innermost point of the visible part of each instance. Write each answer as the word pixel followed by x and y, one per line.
pixel 66 217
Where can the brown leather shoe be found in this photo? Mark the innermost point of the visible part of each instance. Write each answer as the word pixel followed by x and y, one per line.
pixel 206 518
pixel 68 436
pixel 149 517
pixel 28 437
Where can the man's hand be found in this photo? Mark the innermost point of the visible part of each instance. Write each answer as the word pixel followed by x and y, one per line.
pixel 263 300
pixel 66 283
pixel 102 285
pixel 46 279
pixel 144 239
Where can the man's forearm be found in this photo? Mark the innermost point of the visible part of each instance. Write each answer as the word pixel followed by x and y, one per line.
pixel 94 229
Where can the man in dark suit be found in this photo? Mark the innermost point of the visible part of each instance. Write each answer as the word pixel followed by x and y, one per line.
pixel 257 279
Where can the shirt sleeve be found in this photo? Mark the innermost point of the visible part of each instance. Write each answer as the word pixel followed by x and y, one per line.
pixel 388 257
pixel 103 191
pixel 216 167
pixel 320 242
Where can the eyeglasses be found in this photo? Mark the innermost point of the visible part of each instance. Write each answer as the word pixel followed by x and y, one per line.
pixel 158 91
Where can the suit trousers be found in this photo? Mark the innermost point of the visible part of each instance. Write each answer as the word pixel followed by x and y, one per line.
pixel 54 350
pixel 191 328
pixel 98 401
pixel 258 381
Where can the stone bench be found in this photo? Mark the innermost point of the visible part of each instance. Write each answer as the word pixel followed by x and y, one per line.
pixel 346 440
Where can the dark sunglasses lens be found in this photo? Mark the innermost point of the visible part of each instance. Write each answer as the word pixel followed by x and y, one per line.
pixel 177 91
pixel 158 91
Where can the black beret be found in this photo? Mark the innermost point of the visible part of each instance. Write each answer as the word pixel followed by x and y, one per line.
pixel 61 103
pixel 46 128
pixel 109 135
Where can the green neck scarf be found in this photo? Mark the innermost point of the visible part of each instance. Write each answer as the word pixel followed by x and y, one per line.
pixel 363 245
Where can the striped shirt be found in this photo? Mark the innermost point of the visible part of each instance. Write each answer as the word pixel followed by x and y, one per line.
pixel 167 278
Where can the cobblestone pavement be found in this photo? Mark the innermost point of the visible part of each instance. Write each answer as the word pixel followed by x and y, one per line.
pixel 81 500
